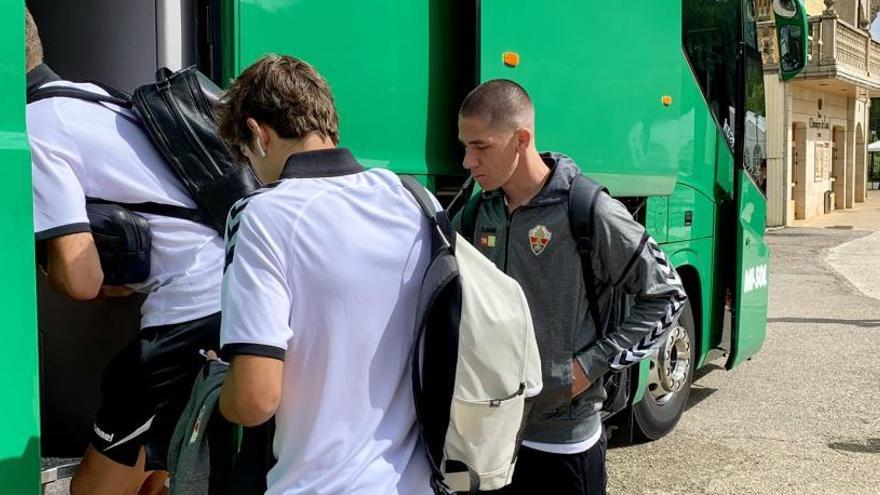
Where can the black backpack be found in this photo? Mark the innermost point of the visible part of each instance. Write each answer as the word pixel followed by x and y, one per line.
pixel 582 197
pixel 177 113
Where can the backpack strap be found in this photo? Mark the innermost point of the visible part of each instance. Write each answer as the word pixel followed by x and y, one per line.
pixel 79 94
pixel 443 236
pixel 582 197
pixel 115 97
pixel 114 92
pixel 420 194
pixel 469 217
pixel 468 204
pixel 462 197
pixel 442 226
pixel 160 209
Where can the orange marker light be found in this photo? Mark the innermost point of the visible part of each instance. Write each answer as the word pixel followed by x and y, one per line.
pixel 666 100
pixel 511 59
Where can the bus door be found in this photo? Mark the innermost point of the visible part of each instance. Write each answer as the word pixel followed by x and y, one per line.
pixel 752 253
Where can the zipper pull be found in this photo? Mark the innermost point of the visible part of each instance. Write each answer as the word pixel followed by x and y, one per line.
pixel 497 402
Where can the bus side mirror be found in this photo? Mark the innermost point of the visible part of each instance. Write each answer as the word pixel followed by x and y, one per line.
pixel 792 33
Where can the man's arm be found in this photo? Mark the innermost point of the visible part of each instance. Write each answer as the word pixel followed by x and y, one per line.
pixel 255 302
pixel 626 256
pixel 61 223
pixel 252 390
pixel 73 266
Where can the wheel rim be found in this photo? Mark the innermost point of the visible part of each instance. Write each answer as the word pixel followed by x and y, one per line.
pixel 671 367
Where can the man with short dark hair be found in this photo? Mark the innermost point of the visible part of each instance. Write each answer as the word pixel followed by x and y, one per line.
pixel 324 267
pixel 80 149
pixel 521 222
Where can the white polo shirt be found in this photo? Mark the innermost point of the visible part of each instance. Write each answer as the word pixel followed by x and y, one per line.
pixel 324 273
pixel 81 149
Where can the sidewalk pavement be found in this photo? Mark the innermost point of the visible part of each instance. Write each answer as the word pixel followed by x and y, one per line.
pixel 863 216
pixel 858 260
pixel 802 416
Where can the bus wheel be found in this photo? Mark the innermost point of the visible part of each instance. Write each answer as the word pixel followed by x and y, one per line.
pixel 669 381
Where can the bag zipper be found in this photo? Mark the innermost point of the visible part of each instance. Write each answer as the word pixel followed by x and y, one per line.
pixel 497 402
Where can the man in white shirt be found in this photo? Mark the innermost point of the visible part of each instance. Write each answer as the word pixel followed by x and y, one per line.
pixel 319 295
pixel 81 149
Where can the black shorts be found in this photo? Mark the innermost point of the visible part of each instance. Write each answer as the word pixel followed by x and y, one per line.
pixel 146 387
pixel 560 474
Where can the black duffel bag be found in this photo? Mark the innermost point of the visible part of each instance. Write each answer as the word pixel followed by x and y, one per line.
pixel 122 238
pixel 177 112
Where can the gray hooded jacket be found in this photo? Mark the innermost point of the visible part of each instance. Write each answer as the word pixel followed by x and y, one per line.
pixel 534 245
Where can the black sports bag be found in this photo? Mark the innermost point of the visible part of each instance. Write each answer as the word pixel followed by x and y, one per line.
pixel 123 242
pixel 177 113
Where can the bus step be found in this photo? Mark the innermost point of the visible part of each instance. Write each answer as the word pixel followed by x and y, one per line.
pixel 56 472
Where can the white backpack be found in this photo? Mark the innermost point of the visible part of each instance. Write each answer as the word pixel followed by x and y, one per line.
pixel 475 362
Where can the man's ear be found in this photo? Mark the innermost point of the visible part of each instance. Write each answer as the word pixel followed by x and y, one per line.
pixel 524 138
pixel 258 132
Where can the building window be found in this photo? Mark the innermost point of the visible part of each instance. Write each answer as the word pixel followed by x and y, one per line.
pixel 822 161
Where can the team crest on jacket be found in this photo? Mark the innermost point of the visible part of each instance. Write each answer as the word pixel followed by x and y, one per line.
pixel 539 238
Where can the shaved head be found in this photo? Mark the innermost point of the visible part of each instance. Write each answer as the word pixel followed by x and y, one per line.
pixel 33 45
pixel 502 104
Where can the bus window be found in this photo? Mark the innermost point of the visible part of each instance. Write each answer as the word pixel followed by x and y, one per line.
pixel 710 30
pixel 750 26
pixel 755 150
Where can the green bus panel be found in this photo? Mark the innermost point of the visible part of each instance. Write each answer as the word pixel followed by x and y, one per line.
pixel 701 143
pixel 598 73
pixel 753 277
pixel 19 368
pixel 691 215
pixel 394 68
pixel 657 217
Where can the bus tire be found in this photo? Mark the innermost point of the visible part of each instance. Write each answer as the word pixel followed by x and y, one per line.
pixel 669 382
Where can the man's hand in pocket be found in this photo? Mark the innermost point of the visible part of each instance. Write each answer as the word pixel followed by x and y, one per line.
pixel 579 380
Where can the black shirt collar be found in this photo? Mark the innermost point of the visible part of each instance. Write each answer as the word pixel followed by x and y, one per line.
pixel 39 76
pixel 321 163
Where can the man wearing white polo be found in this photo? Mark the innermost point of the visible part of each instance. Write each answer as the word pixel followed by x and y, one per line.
pixel 324 268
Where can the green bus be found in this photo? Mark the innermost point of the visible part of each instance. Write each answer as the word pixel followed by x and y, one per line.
pixel 662 102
